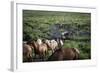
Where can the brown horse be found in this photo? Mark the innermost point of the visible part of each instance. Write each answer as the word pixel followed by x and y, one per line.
pixel 27 53
pixel 40 48
pixel 64 54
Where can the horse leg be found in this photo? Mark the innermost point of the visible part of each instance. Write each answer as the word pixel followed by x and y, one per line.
pixel 46 54
pixel 52 51
pixel 30 57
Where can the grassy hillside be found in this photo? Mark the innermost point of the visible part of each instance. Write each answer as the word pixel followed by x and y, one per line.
pixel 39 24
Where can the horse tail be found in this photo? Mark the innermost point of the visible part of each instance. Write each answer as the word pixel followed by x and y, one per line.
pixel 76 50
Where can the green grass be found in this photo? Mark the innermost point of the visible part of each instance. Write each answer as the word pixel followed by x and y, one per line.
pixel 36 24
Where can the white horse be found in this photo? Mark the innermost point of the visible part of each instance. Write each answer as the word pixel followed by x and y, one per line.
pixel 39 41
pixel 52 44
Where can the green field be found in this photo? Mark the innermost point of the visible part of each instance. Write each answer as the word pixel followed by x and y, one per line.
pixel 39 24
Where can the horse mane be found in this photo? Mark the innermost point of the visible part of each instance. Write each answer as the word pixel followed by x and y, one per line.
pixel 48 45
pixel 34 44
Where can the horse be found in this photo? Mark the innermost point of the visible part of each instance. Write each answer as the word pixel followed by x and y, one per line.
pixel 27 53
pixel 64 54
pixel 34 46
pixel 52 44
pixel 40 48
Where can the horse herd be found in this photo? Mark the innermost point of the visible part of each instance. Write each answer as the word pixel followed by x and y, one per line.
pixel 41 47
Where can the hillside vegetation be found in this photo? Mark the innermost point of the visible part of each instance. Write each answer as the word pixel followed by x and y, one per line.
pixel 49 24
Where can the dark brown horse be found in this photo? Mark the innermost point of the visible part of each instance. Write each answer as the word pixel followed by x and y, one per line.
pixel 64 54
